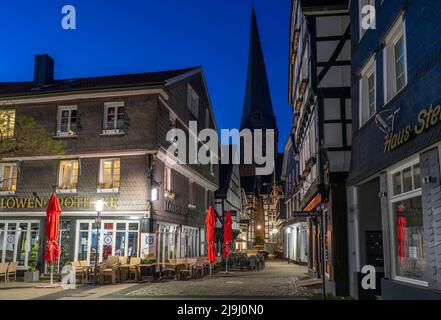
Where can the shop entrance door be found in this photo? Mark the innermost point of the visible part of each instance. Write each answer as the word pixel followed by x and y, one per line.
pixel 114 237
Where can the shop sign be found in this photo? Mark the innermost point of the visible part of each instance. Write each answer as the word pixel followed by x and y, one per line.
pixel 169 206
pixel 10 239
pixel 107 240
pixel 148 242
pixel 65 202
pixel 426 119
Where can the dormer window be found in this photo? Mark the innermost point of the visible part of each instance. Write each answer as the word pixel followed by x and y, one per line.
pixel 192 101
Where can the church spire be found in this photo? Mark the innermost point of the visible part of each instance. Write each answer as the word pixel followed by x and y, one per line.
pixel 257 110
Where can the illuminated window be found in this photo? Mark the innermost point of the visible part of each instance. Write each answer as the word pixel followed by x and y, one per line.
pixel 168 180
pixel 68 175
pixel 109 179
pixel 7 123
pixel 8 177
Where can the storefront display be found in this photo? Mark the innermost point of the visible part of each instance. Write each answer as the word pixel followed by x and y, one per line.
pixel 19 241
pixel 406 208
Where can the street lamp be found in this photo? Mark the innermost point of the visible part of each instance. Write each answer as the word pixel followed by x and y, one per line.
pixel 98 208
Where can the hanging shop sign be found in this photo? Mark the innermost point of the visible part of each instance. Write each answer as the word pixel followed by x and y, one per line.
pixel 426 119
pixel 65 202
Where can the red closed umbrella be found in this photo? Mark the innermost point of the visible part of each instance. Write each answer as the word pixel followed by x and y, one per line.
pixel 210 224
pixel 53 212
pixel 228 234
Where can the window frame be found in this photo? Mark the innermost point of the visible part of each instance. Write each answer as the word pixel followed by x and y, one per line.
pixel 100 187
pixel 367 71
pixel 396 32
pixel 168 182
pixel 70 132
pixel 116 130
pixel 417 192
pixel 193 101
pixel 59 189
pixel 14 169
pixel 9 127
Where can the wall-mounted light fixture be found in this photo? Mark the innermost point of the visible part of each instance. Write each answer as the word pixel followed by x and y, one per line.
pixel 154 194
pixel 427 179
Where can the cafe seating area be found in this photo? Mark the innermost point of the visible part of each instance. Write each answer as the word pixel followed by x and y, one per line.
pixel 8 270
pixel 116 269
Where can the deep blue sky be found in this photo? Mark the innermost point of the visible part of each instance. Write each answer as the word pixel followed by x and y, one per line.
pixel 115 37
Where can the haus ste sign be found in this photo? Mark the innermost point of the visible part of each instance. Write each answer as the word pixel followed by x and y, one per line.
pixel 426 119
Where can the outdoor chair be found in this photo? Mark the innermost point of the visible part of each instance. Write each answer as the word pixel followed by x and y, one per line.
pixel 168 269
pixel 182 271
pixel 133 268
pixel 252 263
pixel 200 267
pixel 86 269
pixel 4 270
pixel 12 270
pixel 79 271
pixel 109 268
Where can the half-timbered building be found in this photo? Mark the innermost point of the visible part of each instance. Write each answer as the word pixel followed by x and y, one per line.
pixel 319 92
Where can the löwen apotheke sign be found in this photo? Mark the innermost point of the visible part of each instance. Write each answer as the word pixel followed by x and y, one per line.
pixel 68 202
pixel 426 119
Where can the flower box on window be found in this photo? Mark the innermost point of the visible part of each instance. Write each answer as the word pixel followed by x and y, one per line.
pixel 110 132
pixel 169 194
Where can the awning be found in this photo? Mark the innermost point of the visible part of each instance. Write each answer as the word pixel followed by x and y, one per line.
pixel 314 203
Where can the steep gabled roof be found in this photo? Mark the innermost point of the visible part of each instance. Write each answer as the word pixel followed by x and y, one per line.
pixel 257 94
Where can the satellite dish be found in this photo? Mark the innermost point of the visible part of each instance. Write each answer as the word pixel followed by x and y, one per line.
pixel 385 120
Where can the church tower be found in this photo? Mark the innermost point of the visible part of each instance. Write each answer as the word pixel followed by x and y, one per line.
pixel 258 114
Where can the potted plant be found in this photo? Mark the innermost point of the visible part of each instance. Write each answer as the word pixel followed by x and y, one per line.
pixel 33 273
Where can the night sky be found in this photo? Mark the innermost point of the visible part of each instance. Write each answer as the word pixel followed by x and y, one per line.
pixel 117 37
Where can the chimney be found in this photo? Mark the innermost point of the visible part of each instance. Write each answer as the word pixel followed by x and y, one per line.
pixel 43 69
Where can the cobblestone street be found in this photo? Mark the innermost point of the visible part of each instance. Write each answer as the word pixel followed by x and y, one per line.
pixel 278 280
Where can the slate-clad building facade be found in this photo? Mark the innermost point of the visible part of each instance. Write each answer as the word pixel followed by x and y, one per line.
pixel 394 201
pixel 114 132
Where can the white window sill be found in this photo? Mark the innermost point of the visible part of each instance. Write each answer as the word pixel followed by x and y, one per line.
pixel 7 192
pixel 395 95
pixel 111 190
pixel 63 191
pixel 116 132
pixel 412 281
pixel 65 135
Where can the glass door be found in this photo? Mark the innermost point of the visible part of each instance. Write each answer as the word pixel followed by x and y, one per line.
pixel 109 237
